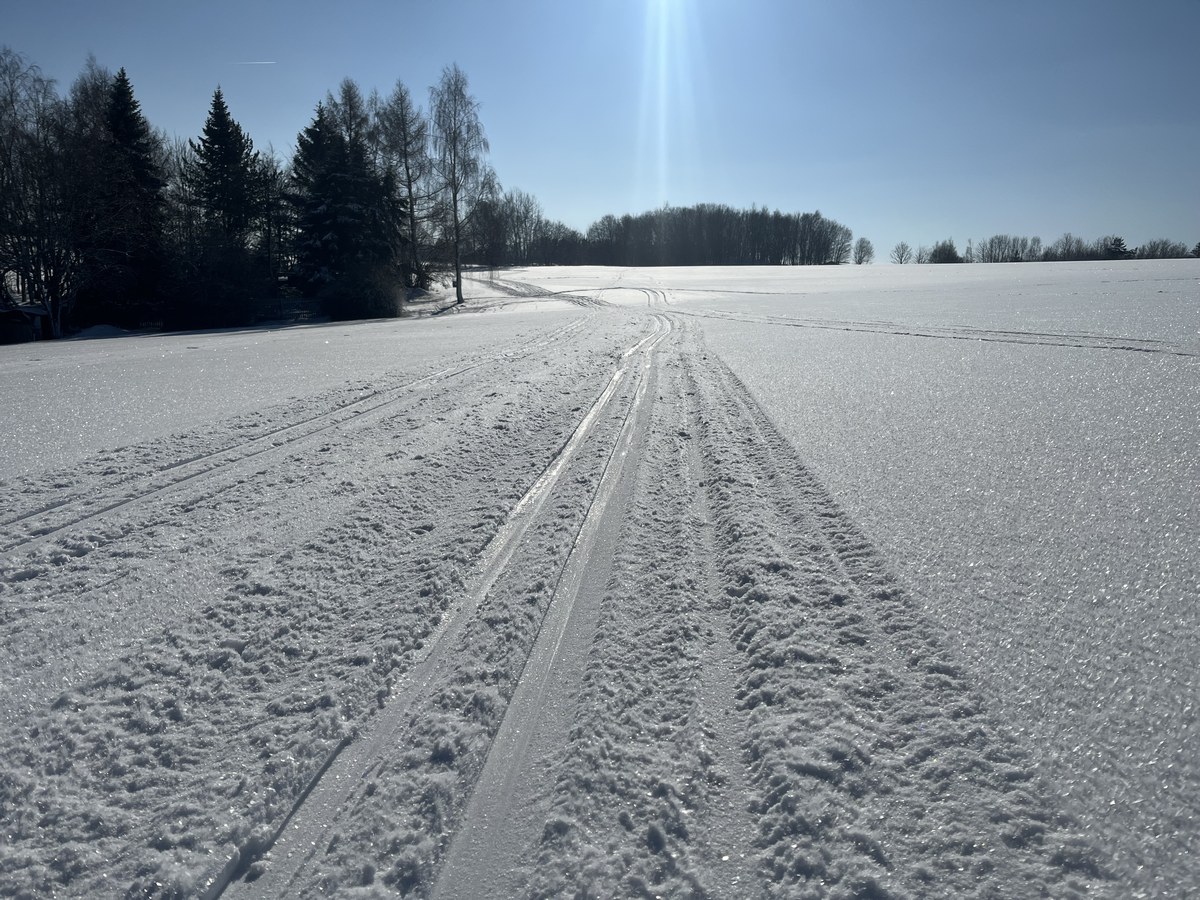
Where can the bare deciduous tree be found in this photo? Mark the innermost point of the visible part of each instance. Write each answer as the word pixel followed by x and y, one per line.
pixel 525 221
pixel 902 254
pixel 1067 247
pixel 841 246
pixel 402 136
pixel 864 251
pixel 461 173
pixel 1161 248
pixel 38 259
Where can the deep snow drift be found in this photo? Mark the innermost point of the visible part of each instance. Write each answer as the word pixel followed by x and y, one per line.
pixel 854 582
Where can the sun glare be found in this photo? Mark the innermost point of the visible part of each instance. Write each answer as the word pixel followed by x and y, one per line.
pixel 667 145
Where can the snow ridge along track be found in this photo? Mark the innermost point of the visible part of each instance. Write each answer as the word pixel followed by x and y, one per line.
pixel 294 851
pixel 37 525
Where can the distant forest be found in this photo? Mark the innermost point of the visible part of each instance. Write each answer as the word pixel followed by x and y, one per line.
pixel 1004 248
pixel 106 220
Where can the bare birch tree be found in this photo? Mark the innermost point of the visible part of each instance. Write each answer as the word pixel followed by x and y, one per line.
pixel 460 170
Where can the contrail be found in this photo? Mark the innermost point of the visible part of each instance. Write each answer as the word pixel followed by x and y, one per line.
pixel 265 62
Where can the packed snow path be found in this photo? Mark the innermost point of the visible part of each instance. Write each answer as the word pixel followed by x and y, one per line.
pixel 565 615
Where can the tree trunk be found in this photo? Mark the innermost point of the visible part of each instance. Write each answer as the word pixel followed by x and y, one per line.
pixel 412 237
pixel 457 250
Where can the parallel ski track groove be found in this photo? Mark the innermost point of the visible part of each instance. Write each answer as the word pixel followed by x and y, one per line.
pixel 509 750
pixel 363 756
pixel 525 290
pixel 655 297
pixel 960 333
pixel 277 440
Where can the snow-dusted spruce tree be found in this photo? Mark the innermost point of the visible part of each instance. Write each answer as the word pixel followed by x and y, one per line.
pixel 461 173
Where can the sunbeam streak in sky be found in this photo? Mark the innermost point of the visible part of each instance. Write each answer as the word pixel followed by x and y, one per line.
pixel 667 145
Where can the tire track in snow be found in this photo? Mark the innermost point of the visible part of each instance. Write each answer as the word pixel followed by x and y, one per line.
pixel 298 842
pixel 159 565
pixel 47 521
pixel 875 771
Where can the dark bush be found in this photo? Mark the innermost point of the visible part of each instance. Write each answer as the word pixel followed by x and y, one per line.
pixel 375 293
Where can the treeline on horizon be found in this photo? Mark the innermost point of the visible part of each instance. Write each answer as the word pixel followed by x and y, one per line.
pixel 106 220
pixel 1006 248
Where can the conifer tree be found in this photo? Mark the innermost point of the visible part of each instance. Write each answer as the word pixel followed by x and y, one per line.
pixel 318 196
pixel 369 189
pixel 944 252
pixel 217 186
pixel 135 175
pixel 124 244
pixel 347 214
pixel 224 173
pixel 1113 247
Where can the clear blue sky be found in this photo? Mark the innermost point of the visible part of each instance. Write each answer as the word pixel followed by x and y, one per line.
pixel 905 121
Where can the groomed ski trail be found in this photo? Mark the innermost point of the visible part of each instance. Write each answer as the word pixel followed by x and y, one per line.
pixel 293 853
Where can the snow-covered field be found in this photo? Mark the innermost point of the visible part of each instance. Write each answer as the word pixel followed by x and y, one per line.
pixel 870 582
